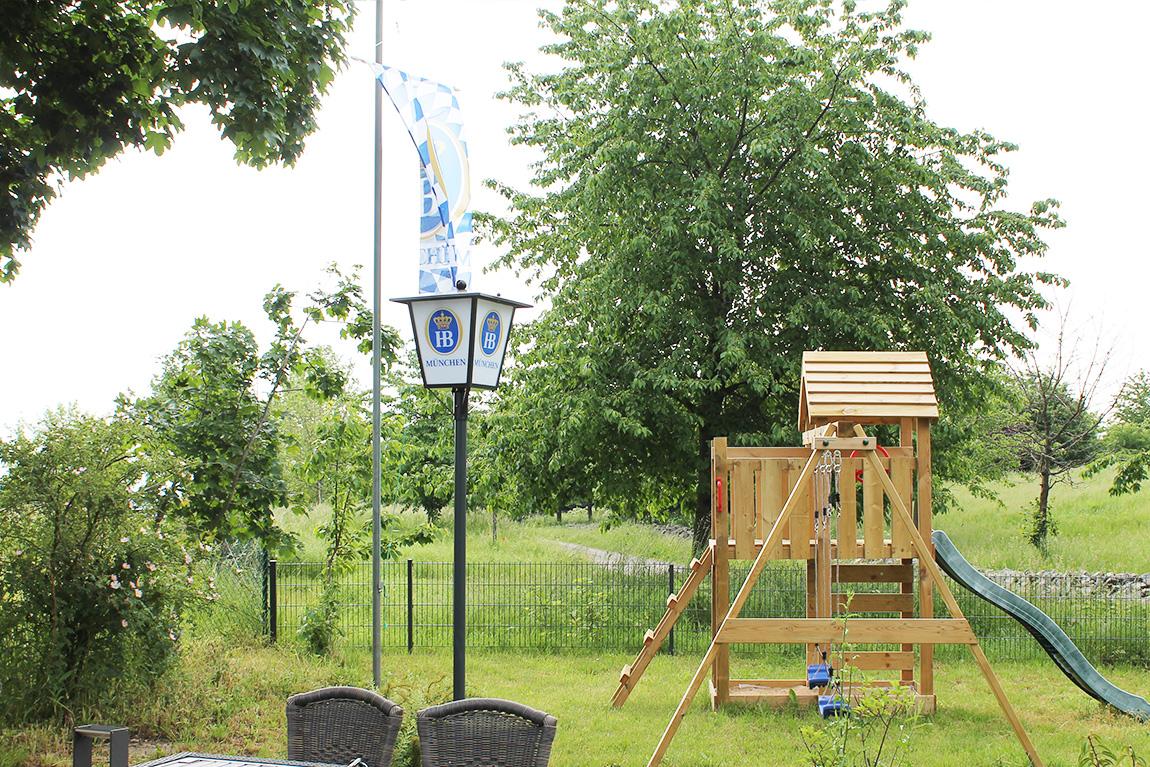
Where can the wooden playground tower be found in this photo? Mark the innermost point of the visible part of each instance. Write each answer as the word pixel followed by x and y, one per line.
pixel 771 503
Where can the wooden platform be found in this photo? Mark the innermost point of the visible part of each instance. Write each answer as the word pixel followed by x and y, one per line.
pixel 778 693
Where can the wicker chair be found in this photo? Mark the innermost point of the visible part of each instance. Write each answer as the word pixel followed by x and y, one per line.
pixel 484 732
pixel 340 724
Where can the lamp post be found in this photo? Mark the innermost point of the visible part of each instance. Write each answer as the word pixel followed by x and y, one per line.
pixel 461 339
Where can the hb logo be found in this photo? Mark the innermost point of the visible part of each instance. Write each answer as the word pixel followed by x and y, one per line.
pixel 443 331
pixel 491 330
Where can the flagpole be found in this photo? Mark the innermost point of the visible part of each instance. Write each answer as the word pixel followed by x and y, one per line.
pixel 376 303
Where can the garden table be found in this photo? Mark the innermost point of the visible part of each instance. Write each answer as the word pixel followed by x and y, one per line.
pixel 187 759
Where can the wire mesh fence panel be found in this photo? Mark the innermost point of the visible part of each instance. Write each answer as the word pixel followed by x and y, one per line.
pixel 558 606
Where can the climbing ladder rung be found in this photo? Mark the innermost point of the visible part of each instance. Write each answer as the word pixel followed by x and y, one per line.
pixel 653 638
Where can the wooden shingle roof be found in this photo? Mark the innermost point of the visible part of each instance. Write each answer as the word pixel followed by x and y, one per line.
pixel 865 387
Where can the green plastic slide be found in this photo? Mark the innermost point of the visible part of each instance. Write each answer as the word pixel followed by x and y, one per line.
pixel 1052 638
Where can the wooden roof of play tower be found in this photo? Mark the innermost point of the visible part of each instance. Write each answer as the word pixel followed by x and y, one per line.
pixel 865 387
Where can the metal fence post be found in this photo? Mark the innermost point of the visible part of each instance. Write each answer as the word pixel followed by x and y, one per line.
pixel 671 591
pixel 410 606
pixel 264 591
pixel 272 600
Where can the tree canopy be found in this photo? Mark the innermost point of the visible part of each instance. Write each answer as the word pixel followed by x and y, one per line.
pixel 80 82
pixel 721 185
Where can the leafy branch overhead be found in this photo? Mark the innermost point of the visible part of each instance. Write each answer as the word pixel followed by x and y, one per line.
pixel 82 82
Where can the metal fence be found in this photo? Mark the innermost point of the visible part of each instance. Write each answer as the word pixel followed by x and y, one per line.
pixel 607 607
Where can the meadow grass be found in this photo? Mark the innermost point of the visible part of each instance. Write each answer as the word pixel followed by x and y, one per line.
pixel 225 698
pixel 1096 531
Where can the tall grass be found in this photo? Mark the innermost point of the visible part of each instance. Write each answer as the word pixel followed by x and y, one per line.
pixel 1096 531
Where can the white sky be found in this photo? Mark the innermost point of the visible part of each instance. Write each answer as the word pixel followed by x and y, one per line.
pixel 125 260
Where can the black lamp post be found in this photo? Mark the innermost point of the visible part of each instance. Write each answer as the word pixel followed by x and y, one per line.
pixel 461 339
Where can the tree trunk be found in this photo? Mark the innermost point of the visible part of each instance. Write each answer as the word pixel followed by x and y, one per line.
pixel 1040 530
pixel 702 526
pixel 494 526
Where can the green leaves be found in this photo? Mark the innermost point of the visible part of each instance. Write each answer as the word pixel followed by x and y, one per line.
pixel 723 187
pixel 212 410
pixel 94 577
pixel 81 82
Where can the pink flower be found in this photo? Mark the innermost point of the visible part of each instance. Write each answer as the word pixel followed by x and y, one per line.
pixel 124 623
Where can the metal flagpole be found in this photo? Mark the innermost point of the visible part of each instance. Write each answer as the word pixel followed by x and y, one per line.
pixel 376 304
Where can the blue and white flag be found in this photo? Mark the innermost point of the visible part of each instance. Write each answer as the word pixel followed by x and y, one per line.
pixel 430 110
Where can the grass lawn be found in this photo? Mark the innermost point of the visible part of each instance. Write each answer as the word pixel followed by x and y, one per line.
pixel 230 700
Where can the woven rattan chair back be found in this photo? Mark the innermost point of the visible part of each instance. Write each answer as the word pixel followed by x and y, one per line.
pixel 340 724
pixel 484 732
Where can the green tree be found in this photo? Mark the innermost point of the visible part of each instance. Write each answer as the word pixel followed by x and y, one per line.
pixel 338 457
pixel 722 184
pixel 1060 421
pixel 94 578
pixel 213 409
pixel 1127 441
pixel 81 82
pixel 300 415
pixel 421 447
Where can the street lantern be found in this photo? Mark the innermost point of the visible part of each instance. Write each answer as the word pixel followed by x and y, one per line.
pixel 461 339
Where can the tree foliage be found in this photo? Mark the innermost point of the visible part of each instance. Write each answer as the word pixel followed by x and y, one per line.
pixel 212 409
pixel 81 82
pixel 1127 442
pixel 94 578
pixel 721 185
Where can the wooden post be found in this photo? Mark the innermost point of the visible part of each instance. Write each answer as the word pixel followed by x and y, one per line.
pixel 906 439
pixel 721 569
pixel 812 608
pixel 925 588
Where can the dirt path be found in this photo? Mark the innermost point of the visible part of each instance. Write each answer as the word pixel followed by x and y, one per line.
pixel 604 557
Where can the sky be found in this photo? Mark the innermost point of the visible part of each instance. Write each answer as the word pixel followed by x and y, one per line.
pixel 125 260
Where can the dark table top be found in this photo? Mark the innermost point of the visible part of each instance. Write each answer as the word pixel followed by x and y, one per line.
pixel 187 759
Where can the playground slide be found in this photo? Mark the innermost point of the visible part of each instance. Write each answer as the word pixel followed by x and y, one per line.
pixel 1052 638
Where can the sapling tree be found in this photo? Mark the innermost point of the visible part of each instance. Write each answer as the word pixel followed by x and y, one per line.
pixel 1061 417
pixel 339 458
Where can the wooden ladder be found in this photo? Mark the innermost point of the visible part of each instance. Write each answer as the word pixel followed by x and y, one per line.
pixel 653 639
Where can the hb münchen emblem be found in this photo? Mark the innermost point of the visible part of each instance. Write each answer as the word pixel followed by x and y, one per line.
pixel 490 330
pixel 443 331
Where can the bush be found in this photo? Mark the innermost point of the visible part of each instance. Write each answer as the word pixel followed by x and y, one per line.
pixel 92 580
